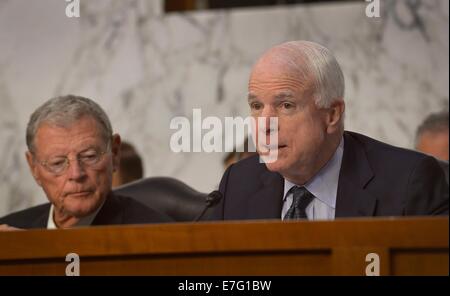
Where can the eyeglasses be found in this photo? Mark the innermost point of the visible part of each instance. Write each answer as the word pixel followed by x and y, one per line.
pixel 87 159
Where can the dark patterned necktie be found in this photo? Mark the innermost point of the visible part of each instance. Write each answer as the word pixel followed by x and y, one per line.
pixel 301 199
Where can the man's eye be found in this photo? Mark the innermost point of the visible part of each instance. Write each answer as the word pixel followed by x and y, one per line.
pixel 56 162
pixel 255 106
pixel 89 157
pixel 287 105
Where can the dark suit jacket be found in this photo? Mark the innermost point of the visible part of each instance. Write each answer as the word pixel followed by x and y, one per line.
pixel 116 210
pixel 444 167
pixel 375 179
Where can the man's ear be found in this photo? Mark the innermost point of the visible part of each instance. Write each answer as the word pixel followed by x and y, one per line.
pixel 115 150
pixel 335 116
pixel 33 167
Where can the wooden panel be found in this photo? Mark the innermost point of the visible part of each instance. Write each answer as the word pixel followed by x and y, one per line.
pixel 420 262
pixel 352 260
pixel 405 246
pixel 179 5
pixel 315 263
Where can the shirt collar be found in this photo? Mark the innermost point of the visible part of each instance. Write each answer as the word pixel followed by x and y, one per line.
pixel 84 221
pixel 325 183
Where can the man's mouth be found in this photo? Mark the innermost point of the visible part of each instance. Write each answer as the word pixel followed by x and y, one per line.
pixel 266 149
pixel 79 194
pixel 274 147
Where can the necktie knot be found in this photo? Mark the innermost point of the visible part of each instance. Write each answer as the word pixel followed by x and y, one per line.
pixel 300 201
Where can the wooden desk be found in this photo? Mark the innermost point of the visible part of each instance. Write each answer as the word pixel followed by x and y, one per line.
pixel 406 246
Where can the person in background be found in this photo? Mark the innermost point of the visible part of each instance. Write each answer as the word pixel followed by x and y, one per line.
pixel 432 139
pixel 432 136
pixel 130 167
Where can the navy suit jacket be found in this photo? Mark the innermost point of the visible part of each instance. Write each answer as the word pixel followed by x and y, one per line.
pixel 375 179
pixel 116 210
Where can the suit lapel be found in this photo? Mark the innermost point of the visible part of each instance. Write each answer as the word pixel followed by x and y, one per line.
pixel 267 201
pixel 353 199
pixel 42 220
pixel 110 213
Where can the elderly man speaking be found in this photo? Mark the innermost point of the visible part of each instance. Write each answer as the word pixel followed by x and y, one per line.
pixel 322 171
pixel 72 154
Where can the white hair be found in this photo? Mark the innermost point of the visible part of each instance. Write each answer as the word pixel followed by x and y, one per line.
pixel 309 60
pixel 64 111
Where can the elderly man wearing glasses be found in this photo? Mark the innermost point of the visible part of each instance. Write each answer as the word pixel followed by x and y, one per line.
pixel 72 154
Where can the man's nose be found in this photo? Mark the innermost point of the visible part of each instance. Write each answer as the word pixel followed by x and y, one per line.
pixel 75 171
pixel 268 123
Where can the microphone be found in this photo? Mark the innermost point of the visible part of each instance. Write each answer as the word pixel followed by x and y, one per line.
pixel 211 200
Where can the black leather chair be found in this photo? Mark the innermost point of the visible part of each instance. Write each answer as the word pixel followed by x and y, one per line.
pixel 167 195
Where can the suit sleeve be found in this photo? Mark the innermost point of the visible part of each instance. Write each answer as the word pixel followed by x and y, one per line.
pixel 427 189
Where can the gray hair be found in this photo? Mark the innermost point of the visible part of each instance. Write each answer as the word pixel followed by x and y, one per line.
pixel 311 60
pixel 64 111
pixel 434 123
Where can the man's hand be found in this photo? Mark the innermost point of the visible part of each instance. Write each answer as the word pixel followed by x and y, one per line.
pixel 6 227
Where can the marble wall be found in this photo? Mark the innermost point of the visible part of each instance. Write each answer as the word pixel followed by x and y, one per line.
pixel 145 67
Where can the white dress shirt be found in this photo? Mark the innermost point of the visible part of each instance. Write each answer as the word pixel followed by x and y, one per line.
pixel 85 221
pixel 323 186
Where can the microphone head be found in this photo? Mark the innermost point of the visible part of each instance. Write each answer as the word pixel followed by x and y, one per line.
pixel 213 198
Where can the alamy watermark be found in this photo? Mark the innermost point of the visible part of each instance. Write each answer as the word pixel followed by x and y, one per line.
pixel 73 268
pixel 373 268
pixel 225 136
pixel 73 8
pixel 373 8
